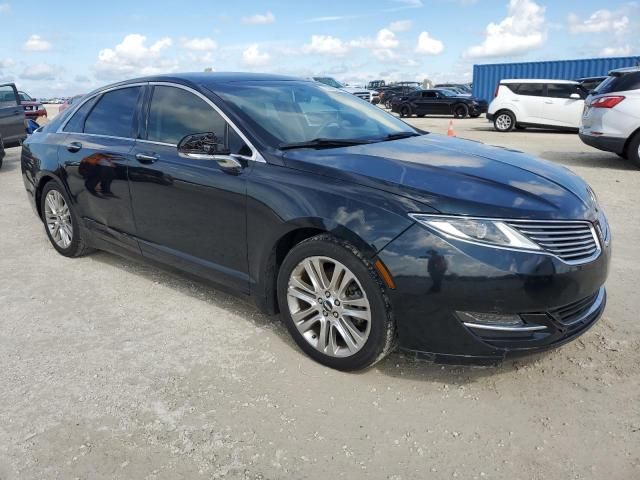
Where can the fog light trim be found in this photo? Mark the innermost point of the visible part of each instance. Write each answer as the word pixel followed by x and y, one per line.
pixel 496 322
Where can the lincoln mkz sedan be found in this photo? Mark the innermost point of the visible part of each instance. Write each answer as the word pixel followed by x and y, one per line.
pixel 362 231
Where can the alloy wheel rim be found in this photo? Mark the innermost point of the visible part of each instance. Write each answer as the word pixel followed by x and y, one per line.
pixel 503 121
pixel 58 219
pixel 329 307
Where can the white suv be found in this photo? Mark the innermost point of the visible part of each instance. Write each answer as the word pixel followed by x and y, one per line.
pixel 611 119
pixel 555 104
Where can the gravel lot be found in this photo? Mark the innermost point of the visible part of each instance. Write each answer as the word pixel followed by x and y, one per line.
pixel 111 368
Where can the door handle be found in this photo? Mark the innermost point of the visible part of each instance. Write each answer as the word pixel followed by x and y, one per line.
pixel 74 147
pixel 144 158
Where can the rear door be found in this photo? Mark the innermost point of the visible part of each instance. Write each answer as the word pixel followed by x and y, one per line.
pixel 428 103
pixel 96 153
pixel 562 110
pixel 530 100
pixel 12 126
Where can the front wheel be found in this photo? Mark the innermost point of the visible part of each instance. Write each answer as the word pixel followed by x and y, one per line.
pixel 60 222
pixel 334 304
pixel 504 122
pixel 405 111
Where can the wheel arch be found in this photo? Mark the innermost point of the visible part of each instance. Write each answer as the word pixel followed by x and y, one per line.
pixel 630 139
pixel 43 179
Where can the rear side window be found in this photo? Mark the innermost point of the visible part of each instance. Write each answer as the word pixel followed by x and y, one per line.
pixel 630 81
pixel 429 95
pixel 562 90
pixel 175 113
pixel 7 96
pixel 113 114
pixel 76 123
pixel 530 89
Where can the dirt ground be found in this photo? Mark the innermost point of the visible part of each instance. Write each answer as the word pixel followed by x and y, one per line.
pixel 114 369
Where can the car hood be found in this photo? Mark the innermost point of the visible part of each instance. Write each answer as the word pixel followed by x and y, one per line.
pixel 455 176
pixel 31 102
pixel 355 90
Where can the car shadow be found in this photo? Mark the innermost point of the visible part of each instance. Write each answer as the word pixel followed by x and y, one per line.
pixel 398 364
pixel 11 160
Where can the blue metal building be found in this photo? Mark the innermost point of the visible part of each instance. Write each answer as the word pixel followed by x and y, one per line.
pixel 486 77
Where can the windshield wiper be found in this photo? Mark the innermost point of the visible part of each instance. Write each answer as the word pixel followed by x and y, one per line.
pixel 400 135
pixel 323 143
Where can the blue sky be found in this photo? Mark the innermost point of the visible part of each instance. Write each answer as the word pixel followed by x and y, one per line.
pixel 68 46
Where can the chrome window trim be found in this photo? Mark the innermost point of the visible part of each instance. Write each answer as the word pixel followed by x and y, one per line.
pixel 582 261
pixel 255 154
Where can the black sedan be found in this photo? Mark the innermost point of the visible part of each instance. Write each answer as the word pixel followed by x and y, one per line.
pixel 438 102
pixel 363 232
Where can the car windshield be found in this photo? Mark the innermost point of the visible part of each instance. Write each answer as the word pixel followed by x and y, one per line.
pixel 447 93
pixel 291 112
pixel 24 97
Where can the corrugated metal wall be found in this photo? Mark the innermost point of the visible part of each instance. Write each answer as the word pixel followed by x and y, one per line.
pixel 486 77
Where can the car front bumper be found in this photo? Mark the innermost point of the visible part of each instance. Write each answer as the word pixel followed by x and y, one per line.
pixel 602 142
pixel 436 279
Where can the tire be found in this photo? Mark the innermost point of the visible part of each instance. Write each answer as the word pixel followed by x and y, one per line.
pixel 475 115
pixel 622 155
pixel 420 115
pixel 504 121
pixel 460 111
pixel 2 152
pixel 387 104
pixel 325 317
pixel 67 241
pixel 633 150
pixel 405 111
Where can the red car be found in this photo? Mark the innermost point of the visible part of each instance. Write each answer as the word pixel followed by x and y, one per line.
pixel 69 102
pixel 32 108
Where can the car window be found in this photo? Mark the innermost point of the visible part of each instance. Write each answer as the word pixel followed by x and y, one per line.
pixel 113 114
pixel 429 95
pixel 24 97
pixel 175 113
pixel 76 122
pixel 629 81
pixel 7 96
pixel 530 89
pixel 562 90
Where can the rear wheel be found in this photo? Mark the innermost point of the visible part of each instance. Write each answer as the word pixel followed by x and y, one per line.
pixel 334 305
pixel 460 111
pixel 60 222
pixel 504 121
pixel 405 111
pixel 633 150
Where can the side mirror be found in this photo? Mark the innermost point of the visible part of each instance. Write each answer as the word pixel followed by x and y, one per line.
pixel 206 146
pixel 575 96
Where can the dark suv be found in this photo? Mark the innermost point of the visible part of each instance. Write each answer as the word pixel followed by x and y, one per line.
pixel 12 120
pixel 438 102
pixel 363 232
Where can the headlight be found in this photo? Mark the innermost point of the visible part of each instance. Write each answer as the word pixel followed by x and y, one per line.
pixel 482 231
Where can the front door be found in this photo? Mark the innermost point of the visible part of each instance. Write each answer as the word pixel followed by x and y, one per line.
pixel 189 213
pixel 562 110
pixel 12 126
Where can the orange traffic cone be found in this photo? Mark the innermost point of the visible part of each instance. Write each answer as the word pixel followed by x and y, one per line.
pixel 450 132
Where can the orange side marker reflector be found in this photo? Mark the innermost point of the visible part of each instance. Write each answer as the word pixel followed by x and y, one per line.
pixel 384 274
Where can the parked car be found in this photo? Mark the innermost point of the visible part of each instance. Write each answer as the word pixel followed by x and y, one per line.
pixel 590 83
pixel 458 87
pixel 389 93
pixel 12 119
pixel 32 107
pixel 357 91
pixel 363 231
pixel 553 104
pixel 437 102
pixel 376 84
pixel 611 119
pixel 70 101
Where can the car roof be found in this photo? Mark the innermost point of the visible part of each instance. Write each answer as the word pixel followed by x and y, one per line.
pixel 622 71
pixel 537 80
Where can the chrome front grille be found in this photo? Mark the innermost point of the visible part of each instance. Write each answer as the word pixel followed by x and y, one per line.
pixel 572 241
pixel 362 95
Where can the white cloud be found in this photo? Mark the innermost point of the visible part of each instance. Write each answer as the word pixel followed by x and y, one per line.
pixel 522 30
pixel 259 19
pixel 326 45
pixel 133 57
pixel 616 51
pixel 599 21
pixel 252 56
pixel 40 71
pixel 35 43
pixel 428 45
pixel 200 44
pixel 401 26
pixel 382 46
